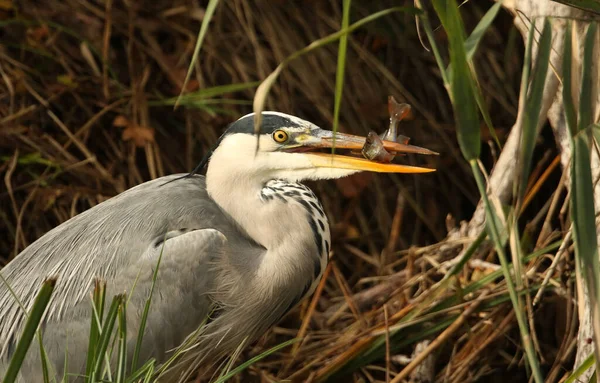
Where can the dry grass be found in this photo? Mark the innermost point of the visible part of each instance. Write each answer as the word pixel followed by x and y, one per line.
pixel 79 123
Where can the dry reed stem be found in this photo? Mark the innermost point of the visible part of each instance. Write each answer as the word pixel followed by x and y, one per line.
pixel 389 231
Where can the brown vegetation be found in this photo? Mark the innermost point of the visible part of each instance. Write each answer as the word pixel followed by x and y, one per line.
pixel 82 118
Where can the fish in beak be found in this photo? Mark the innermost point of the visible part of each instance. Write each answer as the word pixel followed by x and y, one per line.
pixel 325 139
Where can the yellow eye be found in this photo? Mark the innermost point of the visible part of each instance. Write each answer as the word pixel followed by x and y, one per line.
pixel 280 136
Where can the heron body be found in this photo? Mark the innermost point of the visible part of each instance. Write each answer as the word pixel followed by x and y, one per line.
pixel 240 247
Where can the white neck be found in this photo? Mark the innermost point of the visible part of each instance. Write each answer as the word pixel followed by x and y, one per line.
pixel 281 228
pixel 239 196
pixel 292 263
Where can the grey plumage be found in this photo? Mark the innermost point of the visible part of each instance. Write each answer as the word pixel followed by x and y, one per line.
pixel 240 246
pixel 191 277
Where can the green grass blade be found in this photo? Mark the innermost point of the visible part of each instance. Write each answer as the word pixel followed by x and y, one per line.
pixel 595 128
pixel 443 285
pixel 482 26
pixel 43 354
pixel 582 193
pixel 105 336
pixel 149 378
pixel 230 361
pixel 467 255
pixel 208 14
pixel 583 367
pixel 585 97
pixel 525 75
pixel 471 45
pixel 398 332
pixel 530 99
pixel 98 300
pixel 461 83
pixel 484 112
pixel 140 336
pixel 584 226
pixel 205 103
pixel 262 92
pixel 203 95
pixel 257 358
pixel 143 371
pixel 122 347
pixel 189 342
pixel 341 65
pixel 378 344
pixel 407 336
pixel 423 328
pixel 586 5
pixel 33 320
pixel 570 116
pixel 494 231
pixel 434 48
pixel 489 278
pixel 463 97
pixel 65 366
pixel 530 117
pixel 44 360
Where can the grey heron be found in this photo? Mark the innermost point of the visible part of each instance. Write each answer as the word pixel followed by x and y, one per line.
pixel 241 246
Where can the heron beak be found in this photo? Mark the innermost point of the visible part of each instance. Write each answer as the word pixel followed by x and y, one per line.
pixel 320 138
pixel 350 141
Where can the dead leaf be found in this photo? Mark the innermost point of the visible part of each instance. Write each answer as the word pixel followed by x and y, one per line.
pixel 179 76
pixel 141 135
pixel 352 232
pixel 121 121
pixel 36 35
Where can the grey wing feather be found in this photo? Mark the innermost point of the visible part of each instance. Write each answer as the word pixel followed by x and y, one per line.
pixel 185 280
pixel 117 241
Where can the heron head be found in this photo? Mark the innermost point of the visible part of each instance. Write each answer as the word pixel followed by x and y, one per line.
pixel 290 148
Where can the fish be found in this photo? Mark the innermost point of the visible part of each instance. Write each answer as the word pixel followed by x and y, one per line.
pixel 373 149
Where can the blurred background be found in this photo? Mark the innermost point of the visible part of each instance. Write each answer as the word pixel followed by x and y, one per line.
pixel 86 111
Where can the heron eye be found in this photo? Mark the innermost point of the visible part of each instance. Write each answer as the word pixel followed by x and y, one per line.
pixel 280 136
